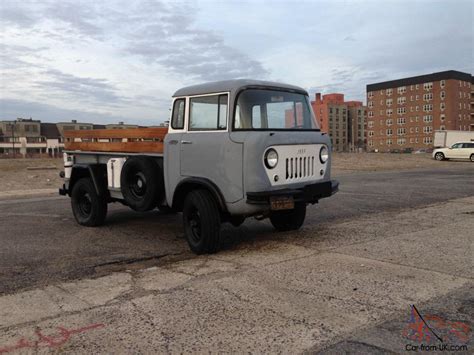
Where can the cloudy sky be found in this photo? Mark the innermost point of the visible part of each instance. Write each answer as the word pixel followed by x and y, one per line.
pixel 106 61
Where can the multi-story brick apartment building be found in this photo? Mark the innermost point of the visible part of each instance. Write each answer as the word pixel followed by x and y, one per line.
pixel 403 114
pixel 344 121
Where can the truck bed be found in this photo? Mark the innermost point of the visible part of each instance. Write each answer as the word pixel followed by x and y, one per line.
pixel 132 140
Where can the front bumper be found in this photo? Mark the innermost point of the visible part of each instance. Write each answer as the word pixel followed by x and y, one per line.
pixel 309 193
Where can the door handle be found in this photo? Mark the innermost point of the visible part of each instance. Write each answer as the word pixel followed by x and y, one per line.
pixel 186 142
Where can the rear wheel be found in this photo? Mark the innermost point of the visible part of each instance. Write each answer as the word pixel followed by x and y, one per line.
pixel 288 220
pixel 472 158
pixel 141 183
pixel 201 219
pixel 88 207
pixel 439 156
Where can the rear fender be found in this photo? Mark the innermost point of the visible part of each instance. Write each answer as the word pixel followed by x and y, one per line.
pixel 96 172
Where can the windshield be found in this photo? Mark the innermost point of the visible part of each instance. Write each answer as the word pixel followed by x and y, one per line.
pixel 271 109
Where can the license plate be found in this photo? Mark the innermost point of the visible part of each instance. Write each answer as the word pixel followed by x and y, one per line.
pixel 282 203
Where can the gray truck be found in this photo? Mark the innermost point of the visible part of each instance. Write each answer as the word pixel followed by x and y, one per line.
pixel 233 149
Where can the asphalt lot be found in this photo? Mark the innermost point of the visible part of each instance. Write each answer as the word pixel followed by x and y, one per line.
pixel 344 283
pixel 42 244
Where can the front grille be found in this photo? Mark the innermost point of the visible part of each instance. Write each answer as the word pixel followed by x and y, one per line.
pixel 299 167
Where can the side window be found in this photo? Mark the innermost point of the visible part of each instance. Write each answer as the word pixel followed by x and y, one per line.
pixel 177 120
pixel 208 113
pixel 457 145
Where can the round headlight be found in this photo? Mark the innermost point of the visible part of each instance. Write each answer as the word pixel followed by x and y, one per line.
pixel 323 154
pixel 271 158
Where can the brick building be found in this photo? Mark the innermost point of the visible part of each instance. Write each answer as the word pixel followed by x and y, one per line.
pixel 344 121
pixel 403 114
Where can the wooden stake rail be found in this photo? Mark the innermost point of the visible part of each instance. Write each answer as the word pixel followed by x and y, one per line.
pixel 131 140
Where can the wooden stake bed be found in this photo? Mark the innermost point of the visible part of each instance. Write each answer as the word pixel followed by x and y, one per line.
pixel 130 140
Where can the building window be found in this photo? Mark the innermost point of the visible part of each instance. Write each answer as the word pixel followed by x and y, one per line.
pixel 389 132
pixel 371 104
pixel 427 129
pixel 416 130
pixel 427 118
pixel 389 142
pixel 401 141
pixel 389 112
pixel 442 117
pixel 411 97
pixel 417 86
pixel 401 100
pixel 428 107
pixel 371 114
pixel 371 133
pixel 428 97
pixel 389 122
pixel 428 86
pixel 417 97
pixel 411 87
pixel 442 127
pixel 428 140
pixel 442 106
pixel 370 94
pixel 401 131
pixel 442 83
pixel 388 102
pixel 402 90
pixel 401 110
pixel 442 95
pixel 388 92
pixel 401 120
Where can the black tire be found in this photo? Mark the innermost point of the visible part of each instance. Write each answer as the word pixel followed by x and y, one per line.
pixel 288 220
pixel 236 221
pixel 472 157
pixel 142 183
pixel 202 222
pixel 88 207
pixel 166 210
pixel 439 156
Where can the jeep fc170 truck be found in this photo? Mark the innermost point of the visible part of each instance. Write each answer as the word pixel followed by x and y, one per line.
pixel 233 149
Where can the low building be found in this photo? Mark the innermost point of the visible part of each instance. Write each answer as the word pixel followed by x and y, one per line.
pixel 30 138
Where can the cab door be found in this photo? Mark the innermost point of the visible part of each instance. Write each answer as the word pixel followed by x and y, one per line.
pixel 206 149
pixel 172 148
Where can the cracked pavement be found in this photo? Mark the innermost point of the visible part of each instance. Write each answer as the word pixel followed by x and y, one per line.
pixel 342 284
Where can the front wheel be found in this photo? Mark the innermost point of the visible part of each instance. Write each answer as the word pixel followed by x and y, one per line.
pixel 472 158
pixel 88 207
pixel 202 222
pixel 288 220
pixel 439 156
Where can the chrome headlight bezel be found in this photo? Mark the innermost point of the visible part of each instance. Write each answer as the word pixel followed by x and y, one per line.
pixel 323 154
pixel 270 161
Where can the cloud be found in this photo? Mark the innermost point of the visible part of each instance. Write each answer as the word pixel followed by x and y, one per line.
pixel 13 108
pixel 169 37
pixel 81 88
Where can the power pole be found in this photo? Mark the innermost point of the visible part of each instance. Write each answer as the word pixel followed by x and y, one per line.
pixel 13 138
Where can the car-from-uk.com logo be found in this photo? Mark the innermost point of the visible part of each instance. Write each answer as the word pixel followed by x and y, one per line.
pixel 430 332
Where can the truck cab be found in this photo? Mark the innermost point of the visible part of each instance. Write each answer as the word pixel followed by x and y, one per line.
pixel 234 149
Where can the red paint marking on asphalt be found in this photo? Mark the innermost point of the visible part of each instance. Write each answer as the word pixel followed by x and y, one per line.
pixel 43 341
